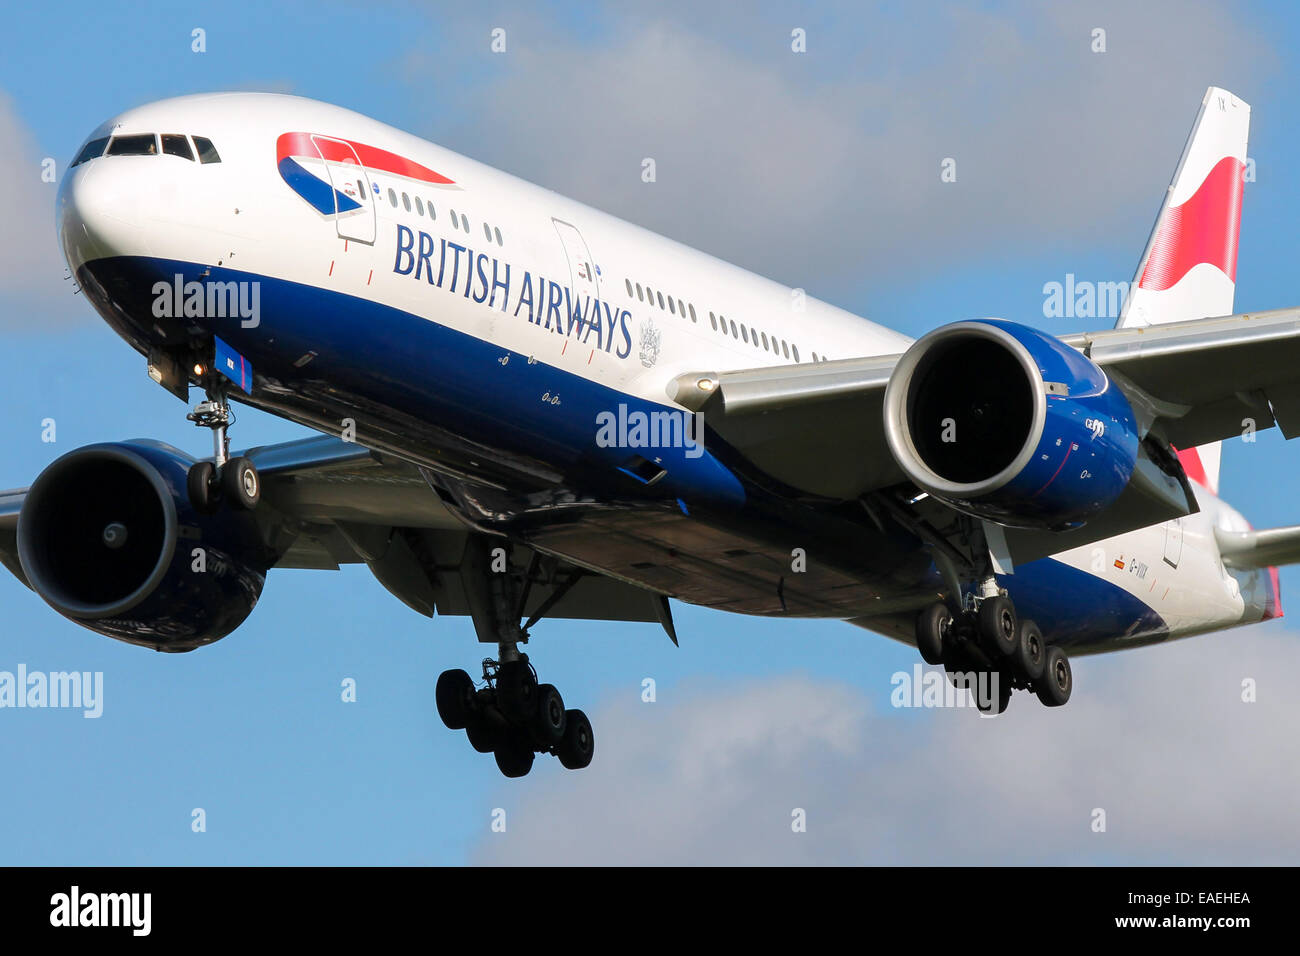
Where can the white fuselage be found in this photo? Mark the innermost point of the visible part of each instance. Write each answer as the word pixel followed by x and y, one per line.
pixel 242 213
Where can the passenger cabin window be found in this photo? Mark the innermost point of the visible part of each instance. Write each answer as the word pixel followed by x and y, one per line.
pixel 419 206
pixel 628 283
pixel 92 150
pixel 713 321
pixel 487 231
pixel 432 214
pixel 406 202
pixel 140 144
pixel 174 144
pixel 207 152
pixel 638 292
pixel 497 231
pixel 795 350
pixel 392 197
pixel 692 308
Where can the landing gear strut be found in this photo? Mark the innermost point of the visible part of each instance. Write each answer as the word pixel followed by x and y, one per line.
pixel 235 480
pixel 509 713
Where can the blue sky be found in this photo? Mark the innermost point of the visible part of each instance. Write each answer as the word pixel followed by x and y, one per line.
pixel 821 170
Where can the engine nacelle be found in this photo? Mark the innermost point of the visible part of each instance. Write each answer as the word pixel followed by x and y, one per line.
pixel 107 536
pixel 1010 424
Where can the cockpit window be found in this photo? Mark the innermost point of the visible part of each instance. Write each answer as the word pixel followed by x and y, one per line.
pixel 140 144
pixel 92 150
pixel 175 144
pixel 207 152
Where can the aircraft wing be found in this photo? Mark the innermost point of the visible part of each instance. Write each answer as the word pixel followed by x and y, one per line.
pixel 341 503
pixel 819 428
pixel 1207 379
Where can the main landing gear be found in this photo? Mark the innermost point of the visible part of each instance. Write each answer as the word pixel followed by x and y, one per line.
pixel 988 639
pixel 513 716
pixel 234 480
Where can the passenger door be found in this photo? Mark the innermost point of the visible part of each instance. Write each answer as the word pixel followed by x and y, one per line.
pixel 354 201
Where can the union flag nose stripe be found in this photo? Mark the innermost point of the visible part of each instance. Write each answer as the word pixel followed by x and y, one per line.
pixel 336 150
pixel 1205 228
pixel 318 192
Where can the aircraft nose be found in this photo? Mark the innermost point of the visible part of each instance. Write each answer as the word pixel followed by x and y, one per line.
pixel 95 215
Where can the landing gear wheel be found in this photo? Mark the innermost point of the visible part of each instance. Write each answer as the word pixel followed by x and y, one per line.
pixel 551 721
pixel 204 491
pixel 997 626
pixel 453 694
pixel 483 736
pixel 514 756
pixel 576 749
pixel 240 483
pixel 998 704
pixel 517 691
pixel 957 666
pixel 1030 656
pixel 1054 689
pixel 932 626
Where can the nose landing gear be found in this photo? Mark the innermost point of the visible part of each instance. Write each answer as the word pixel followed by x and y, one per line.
pixel 234 480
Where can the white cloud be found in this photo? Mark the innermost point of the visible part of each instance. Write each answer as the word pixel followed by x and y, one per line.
pixel 32 268
pixel 824 167
pixel 1160 739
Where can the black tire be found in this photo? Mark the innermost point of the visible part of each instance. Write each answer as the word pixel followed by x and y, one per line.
pixel 579 744
pixel 453 694
pixel 1057 682
pixel 202 487
pixel 999 704
pixel 957 666
pixel 932 626
pixel 997 626
pixel 1030 657
pixel 514 756
pixel 550 723
pixel 517 692
pixel 240 483
pixel 483 736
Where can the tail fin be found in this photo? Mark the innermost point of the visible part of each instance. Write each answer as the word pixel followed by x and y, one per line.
pixel 1189 267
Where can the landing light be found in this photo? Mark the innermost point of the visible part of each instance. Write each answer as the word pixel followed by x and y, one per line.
pixel 706 384
pixel 199 369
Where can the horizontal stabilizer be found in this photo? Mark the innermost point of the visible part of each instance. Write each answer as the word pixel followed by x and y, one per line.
pixel 1264 548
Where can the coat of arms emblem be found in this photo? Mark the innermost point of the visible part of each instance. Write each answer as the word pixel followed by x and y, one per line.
pixel 649 343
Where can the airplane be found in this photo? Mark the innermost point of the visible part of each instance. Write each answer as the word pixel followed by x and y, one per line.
pixel 533 410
